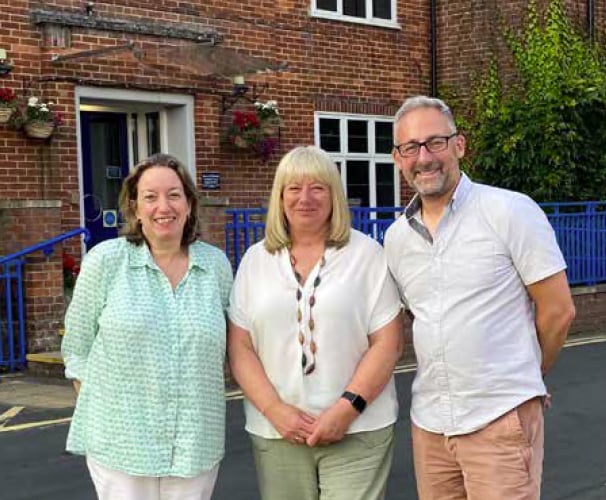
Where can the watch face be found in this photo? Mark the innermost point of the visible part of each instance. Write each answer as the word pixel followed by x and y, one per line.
pixel 357 401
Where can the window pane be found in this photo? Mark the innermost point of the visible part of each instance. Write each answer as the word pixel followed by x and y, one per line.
pixel 135 137
pixel 153 133
pixel 385 187
pixel 383 137
pixel 357 136
pixel 357 183
pixel 381 9
pixel 329 134
pixel 327 5
pixel 355 8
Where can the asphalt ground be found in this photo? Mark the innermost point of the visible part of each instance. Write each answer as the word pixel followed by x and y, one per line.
pixel 34 466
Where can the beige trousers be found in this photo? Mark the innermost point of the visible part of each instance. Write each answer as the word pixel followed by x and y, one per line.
pixel 502 461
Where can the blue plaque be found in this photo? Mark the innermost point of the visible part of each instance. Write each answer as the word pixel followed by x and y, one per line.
pixel 211 180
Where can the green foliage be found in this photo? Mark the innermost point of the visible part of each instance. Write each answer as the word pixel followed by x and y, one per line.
pixel 545 134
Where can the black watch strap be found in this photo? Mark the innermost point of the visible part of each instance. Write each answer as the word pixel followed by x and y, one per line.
pixel 357 401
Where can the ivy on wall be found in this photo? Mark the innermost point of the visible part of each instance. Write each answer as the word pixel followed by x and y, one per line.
pixel 545 133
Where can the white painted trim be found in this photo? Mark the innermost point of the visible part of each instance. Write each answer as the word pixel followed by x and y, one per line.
pixel 371 156
pixel 368 20
pixel 80 168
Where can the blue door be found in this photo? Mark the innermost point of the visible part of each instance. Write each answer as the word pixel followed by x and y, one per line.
pixel 105 165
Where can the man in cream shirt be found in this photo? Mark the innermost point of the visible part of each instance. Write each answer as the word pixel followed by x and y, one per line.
pixel 481 271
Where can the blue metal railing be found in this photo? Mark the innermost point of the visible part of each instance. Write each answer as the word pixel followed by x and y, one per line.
pixel 247 225
pixel 12 305
pixel 374 221
pixel 580 229
pixel 581 232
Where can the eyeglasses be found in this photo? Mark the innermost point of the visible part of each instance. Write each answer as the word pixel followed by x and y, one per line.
pixel 433 145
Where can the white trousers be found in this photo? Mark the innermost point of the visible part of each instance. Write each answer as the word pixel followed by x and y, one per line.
pixel 115 485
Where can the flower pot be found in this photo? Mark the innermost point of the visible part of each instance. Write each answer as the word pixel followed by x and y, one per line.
pixel 5 114
pixel 39 130
pixel 240 142
pixel 270 127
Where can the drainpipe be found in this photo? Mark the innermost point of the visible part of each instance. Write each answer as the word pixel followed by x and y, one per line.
pixel 591 20
pixel 433 43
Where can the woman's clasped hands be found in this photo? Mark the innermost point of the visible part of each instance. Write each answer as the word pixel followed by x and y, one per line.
pixel 299 427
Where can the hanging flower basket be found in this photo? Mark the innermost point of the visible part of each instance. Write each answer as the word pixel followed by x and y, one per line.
pixel 240 142
pixel 256 130
pixel 39 130
pixel 5 114
pixel 8 101
pixel 37 119
pixel 271 126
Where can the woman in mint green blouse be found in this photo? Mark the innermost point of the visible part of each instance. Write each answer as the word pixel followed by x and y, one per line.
pixel 145 344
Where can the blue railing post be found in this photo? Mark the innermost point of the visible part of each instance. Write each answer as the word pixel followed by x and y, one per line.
pixel 21 310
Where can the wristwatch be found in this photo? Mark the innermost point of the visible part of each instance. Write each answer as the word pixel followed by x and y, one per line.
pixel 357 401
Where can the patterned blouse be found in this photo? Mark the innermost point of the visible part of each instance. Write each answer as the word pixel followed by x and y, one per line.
pixel 150 360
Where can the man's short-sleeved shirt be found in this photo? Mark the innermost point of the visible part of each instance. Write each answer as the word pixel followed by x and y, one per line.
pixel 474 328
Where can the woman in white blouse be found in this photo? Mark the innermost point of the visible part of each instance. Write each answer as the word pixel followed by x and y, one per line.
pixel 315 332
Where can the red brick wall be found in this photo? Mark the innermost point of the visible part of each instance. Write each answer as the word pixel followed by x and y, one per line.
pixel 329 60
pixel 470 33
pixel 25 223
pixel 590 303
pixel 333 66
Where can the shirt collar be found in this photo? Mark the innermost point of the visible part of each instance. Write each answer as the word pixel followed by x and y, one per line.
pixel 413 207
pixel 459 196
pixel 461 192
pixel 140 255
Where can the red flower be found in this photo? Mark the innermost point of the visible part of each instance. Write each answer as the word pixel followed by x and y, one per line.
pixel 69 263
pixel 7 96
pixel 246 120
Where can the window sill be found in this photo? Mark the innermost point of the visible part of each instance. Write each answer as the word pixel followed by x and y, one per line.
pixel 382 23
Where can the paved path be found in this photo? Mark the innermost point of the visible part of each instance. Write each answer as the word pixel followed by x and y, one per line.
pixel 33 465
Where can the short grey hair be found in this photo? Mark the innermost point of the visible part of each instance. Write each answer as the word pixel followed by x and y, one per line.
pixel 422 101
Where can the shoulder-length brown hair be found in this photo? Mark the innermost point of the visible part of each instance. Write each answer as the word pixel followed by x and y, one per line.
pixel 312 162
pixel 128 198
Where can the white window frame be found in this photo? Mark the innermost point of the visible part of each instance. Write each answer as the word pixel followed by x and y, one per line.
pixel 371 156
pixel 339 16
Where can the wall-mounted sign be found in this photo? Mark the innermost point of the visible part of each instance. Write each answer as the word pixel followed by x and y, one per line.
pixel 113 172
pixel 211 180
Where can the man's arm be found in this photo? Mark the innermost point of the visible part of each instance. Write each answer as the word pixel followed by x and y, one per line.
pixel 554 312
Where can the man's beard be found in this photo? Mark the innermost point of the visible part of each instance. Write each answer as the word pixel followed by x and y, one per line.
pixel 433 187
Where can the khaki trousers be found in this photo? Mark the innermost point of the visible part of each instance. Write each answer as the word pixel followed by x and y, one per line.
pixel 355 468
pixel 502 461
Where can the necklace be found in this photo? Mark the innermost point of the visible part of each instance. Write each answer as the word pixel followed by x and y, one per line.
pixel 307 363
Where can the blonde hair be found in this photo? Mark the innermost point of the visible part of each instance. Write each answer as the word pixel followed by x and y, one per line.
pixel 314 163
